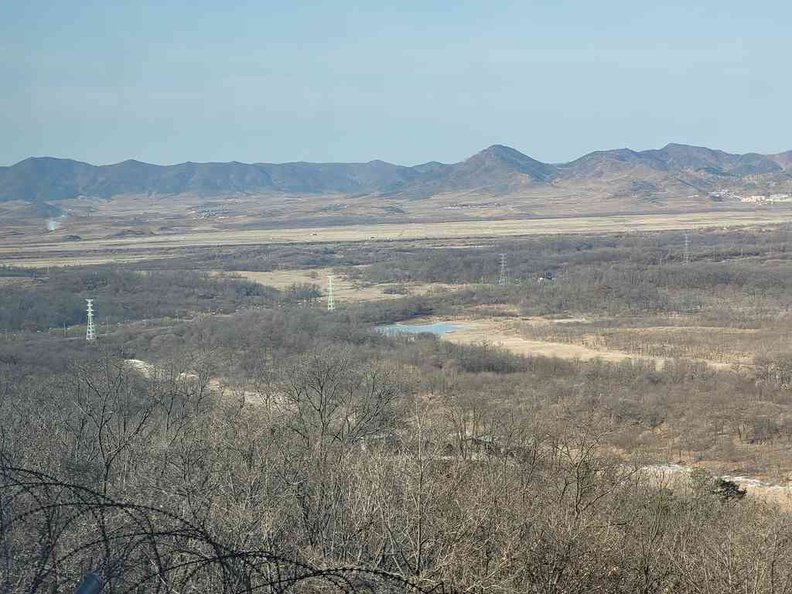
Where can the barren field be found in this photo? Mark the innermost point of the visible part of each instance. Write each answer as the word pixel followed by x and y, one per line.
pixel 504 334
pixel 511 334
pixel 51 250
pixel 719 346
pixel 346 290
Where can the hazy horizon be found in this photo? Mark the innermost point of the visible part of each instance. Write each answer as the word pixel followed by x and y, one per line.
pixel 431 81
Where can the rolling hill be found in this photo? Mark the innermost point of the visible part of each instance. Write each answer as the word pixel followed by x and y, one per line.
pixel 674 170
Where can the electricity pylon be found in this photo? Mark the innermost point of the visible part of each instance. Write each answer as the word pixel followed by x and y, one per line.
pixel 330 293
pixel 503 278
pixel 90 329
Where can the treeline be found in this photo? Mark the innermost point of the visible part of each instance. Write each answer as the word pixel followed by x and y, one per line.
pixel 267 258
pixel 550 256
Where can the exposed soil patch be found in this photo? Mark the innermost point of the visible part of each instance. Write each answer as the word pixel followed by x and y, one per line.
pixel 507 334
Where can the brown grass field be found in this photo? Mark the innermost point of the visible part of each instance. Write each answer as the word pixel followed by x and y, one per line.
pixel 49 250
pixel 346 290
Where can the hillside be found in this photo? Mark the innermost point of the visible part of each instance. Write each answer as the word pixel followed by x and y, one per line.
pixel 497 170
pixel 80 200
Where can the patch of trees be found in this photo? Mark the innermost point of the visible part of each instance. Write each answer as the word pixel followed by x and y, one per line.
pixel 530 259
pixel 124 295
pixel 613 275
pixel 273 257
pixel 16 272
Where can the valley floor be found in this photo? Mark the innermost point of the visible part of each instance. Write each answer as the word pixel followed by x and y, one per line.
pixel 97 248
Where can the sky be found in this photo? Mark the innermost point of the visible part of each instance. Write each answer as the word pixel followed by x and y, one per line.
pixel 169 81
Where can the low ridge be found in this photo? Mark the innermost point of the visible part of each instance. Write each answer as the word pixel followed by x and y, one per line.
pixel 496 170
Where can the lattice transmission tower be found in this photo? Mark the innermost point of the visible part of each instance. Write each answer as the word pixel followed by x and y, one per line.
pixel 330 293
pixel 503 277
pixel 686 253
pixel 90 329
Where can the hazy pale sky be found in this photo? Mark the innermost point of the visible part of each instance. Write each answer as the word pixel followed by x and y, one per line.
pixel 168 81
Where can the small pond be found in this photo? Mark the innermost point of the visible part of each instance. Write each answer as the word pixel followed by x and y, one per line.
pixel 436 328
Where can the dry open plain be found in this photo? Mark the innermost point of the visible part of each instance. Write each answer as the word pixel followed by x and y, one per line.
pixel 52 250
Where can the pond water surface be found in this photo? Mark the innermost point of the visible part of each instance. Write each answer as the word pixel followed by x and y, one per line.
pixel 435 328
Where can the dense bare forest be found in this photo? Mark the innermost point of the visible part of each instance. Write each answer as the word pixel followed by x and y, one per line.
pixel 226 436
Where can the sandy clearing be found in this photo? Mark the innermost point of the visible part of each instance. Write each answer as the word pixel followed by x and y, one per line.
pixel 147 370
pixel 677 475
pixel 501 335
pixel 505 334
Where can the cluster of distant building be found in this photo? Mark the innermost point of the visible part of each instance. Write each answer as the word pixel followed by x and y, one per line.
pixel 756 199
pixel 766 199
pixel 210 213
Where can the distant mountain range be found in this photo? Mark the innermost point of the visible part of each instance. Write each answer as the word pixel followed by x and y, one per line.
pixel 497 170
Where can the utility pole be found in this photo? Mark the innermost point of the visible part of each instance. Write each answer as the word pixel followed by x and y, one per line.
pixel 330 293
pixel 503 278
pixel 90 330
pixel 686 254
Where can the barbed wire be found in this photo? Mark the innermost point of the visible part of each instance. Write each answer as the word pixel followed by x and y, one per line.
pixel 53 533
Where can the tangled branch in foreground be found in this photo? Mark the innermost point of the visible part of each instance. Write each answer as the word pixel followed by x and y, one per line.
pixel 53 533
